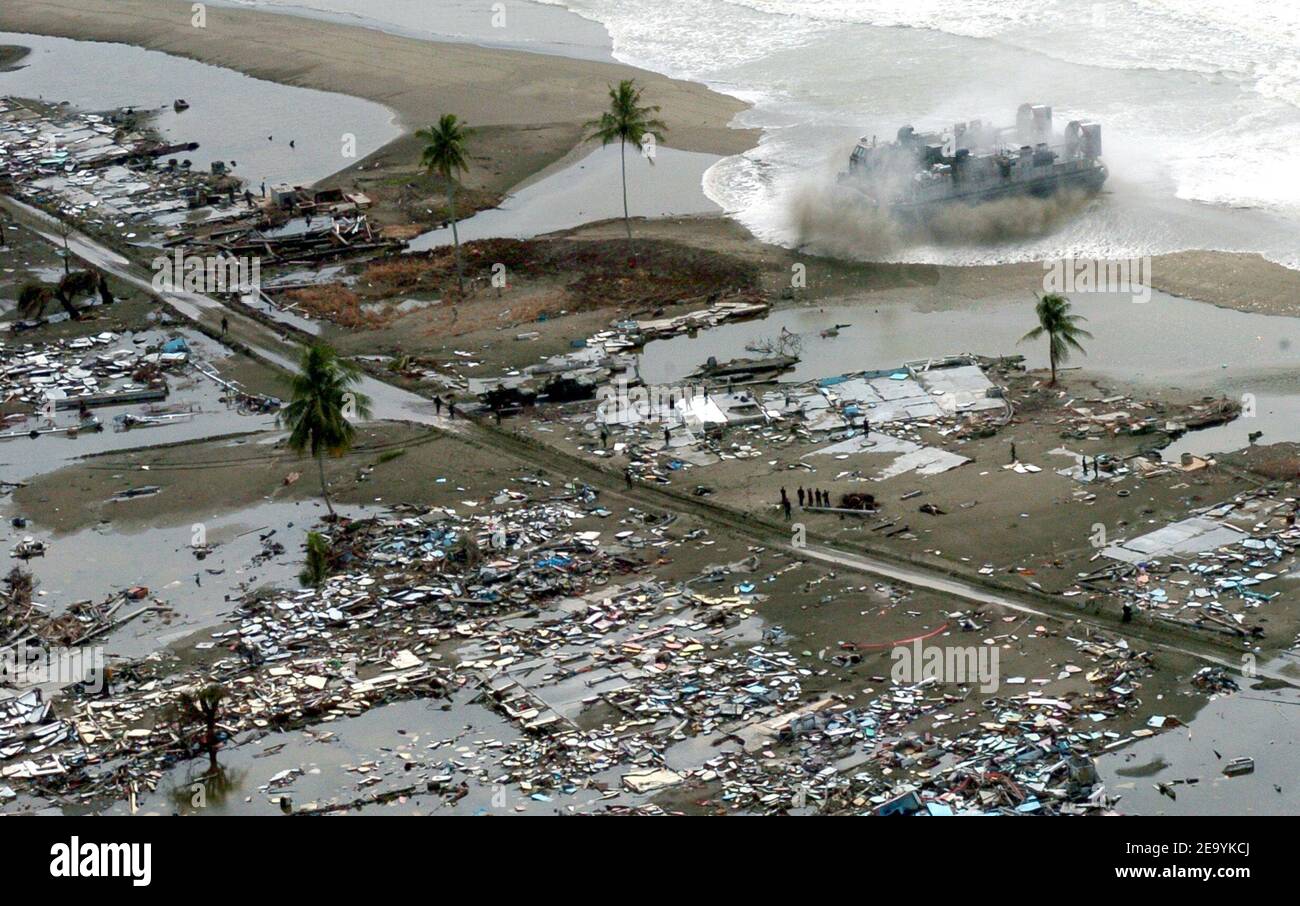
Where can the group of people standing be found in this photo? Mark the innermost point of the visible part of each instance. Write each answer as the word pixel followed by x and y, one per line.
pixel 810 497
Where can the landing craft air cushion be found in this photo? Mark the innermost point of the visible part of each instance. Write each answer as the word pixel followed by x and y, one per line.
pixel 920 172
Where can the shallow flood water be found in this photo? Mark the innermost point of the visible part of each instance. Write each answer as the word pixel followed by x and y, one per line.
pixel 1258 724
pixel 96 563
pixel 24 457
pixel 1167 343
pixel 361 756
pixel 588 190
pixel 232 116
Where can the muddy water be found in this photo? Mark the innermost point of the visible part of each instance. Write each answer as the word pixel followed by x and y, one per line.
pixel 24 457
pixel 455 742
pixel 1166 343
pixel 588 190
pixel 232 116
pixel 98 562
pixel 1263 725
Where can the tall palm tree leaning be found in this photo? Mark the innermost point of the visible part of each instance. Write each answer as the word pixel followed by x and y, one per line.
pixel 445 155
pixel 626 121
pixel 1062 329
pixel 318 414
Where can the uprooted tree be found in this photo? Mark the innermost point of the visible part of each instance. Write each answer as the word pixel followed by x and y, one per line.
pixel 316 570
pixel 201 708
pixel 35 297
pixel 16 605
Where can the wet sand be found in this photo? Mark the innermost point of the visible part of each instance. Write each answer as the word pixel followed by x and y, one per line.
pixel 420 80
pixel 1245 282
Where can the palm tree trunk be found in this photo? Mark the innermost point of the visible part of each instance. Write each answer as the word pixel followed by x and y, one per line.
pixel 622 162
pixel 1051 357
pixel 324 488
pixel 105 294
pixel 455 238
pixel 66 302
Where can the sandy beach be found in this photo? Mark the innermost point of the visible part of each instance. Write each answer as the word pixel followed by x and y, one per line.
pixel 529 106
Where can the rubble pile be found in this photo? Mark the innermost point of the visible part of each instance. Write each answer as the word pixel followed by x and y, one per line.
pixel 91 371
pixel 1123 415
pixel 101 169
pixel 1213 570
pixel 881 412
pixel 612 684
pixel 363 638
pixel 1016 754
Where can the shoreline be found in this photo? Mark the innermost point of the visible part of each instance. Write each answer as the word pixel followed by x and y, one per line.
pixel 529 108
pixel 417 79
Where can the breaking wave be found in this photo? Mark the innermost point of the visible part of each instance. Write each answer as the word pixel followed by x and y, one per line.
pixel 828 219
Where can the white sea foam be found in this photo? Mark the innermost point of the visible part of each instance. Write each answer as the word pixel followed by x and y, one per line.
pixel 1200 99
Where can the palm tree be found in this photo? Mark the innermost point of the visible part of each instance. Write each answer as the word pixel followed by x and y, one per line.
pixel 626 121
pixel 76 283
pixel 1062 329
pixel 203 707
pixel 105 293
pixel 33 298
pixel 445 155
pixel 317 415
pixel 316 570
